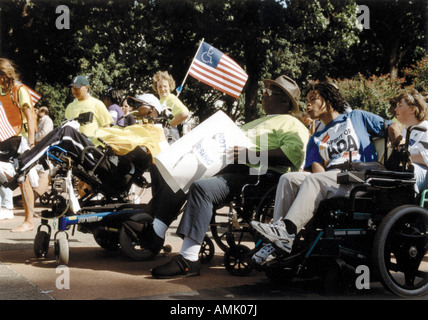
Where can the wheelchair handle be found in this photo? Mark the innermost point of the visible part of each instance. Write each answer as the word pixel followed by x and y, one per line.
pixel 409 131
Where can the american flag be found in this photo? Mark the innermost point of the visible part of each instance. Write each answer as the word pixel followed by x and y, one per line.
pixel 217 70
pixel 6 130
pixel 34 95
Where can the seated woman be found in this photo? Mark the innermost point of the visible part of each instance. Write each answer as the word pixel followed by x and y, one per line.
pixel 411 109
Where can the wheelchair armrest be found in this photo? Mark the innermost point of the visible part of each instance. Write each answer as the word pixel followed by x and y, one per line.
pixel 89 149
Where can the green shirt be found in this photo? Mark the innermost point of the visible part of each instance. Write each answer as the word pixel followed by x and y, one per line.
pixel 280 131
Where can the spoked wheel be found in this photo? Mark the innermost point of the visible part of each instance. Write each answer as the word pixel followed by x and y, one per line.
pixel 264 212
pixel 237 261
pixel 207 251
pixel 400 251
pixel 219 229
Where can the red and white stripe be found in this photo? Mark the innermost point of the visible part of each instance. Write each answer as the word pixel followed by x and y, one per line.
pixel 228 77
pixel 34 95
pixel 6 130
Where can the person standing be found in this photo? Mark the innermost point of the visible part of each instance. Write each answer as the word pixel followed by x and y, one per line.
pixel 163 84
pixel 85 103
pixel 16 102
pixel 44 123
pixel 112 98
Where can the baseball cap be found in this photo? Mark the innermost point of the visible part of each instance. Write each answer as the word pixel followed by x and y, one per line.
pixel 79 81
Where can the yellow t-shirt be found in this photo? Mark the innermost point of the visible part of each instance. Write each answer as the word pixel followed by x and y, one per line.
pixel 173 103
pixel 101 118
pixel 280 131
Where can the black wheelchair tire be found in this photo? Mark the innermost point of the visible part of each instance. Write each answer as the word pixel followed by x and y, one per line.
pixel 237 261
pixel 41 244
pixel 108 240
pixel 130 246
pixel 401 221
pixel 206 254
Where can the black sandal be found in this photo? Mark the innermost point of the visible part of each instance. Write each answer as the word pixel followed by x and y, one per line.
pixel 178 267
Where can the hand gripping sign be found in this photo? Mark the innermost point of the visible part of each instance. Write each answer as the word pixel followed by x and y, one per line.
pixel 201 153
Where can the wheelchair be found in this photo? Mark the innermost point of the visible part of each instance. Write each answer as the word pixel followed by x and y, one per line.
pixel 103 181
pixel 382 226
pixel 230 223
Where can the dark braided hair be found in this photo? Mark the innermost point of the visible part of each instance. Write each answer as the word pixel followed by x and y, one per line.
pixel 330 94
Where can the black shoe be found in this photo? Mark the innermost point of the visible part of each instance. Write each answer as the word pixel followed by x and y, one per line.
pixel 178 267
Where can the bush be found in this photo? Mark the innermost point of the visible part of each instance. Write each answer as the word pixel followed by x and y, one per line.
pixel 370 94
pixel 55 98
pixel 418 75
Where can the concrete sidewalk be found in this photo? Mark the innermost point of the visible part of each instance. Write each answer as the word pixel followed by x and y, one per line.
pixel 99 274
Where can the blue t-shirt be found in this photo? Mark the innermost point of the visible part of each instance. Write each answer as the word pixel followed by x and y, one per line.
pixel 349 132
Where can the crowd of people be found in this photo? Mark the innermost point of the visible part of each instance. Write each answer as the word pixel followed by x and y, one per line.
pixel 304 157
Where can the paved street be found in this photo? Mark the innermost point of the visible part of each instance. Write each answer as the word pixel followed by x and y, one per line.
pixel 95 273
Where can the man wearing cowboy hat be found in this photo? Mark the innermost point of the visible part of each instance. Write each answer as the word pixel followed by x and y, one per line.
pixel 283 147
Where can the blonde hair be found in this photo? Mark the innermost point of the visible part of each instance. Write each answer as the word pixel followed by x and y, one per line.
pixel 8 70
pixel 414 99
pixel 163 75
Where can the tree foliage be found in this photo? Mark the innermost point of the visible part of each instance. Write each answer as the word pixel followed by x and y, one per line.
pixel 122 43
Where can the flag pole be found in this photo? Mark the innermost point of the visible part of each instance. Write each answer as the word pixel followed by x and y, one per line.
pixel 182 84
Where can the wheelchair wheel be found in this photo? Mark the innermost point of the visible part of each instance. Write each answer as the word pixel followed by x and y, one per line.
pixel 237 261
pixel 207 251
pixel 129 242
pixel 62 251
pixel 41 244
pixel 264 212
pixel 219 228
pixel 400 251
pixel 108 240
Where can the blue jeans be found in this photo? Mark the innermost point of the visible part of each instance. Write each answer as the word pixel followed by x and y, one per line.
pixel 6 198
pixel 205 194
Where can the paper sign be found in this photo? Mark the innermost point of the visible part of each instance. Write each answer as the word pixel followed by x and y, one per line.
pixel 201 153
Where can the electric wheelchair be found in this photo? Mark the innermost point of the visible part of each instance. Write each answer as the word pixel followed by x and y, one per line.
pixel 382 225
pixel 103 180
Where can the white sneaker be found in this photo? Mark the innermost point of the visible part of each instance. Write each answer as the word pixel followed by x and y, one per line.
pixel 6 214
pixel 265 254
pixel 275 233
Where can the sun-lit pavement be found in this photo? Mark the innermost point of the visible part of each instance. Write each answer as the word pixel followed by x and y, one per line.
pixel 94 273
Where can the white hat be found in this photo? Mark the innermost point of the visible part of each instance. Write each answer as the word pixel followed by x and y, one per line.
pixel 151 100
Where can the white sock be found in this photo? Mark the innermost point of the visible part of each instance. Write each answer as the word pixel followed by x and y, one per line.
pixel 160 228
pixel 190 249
